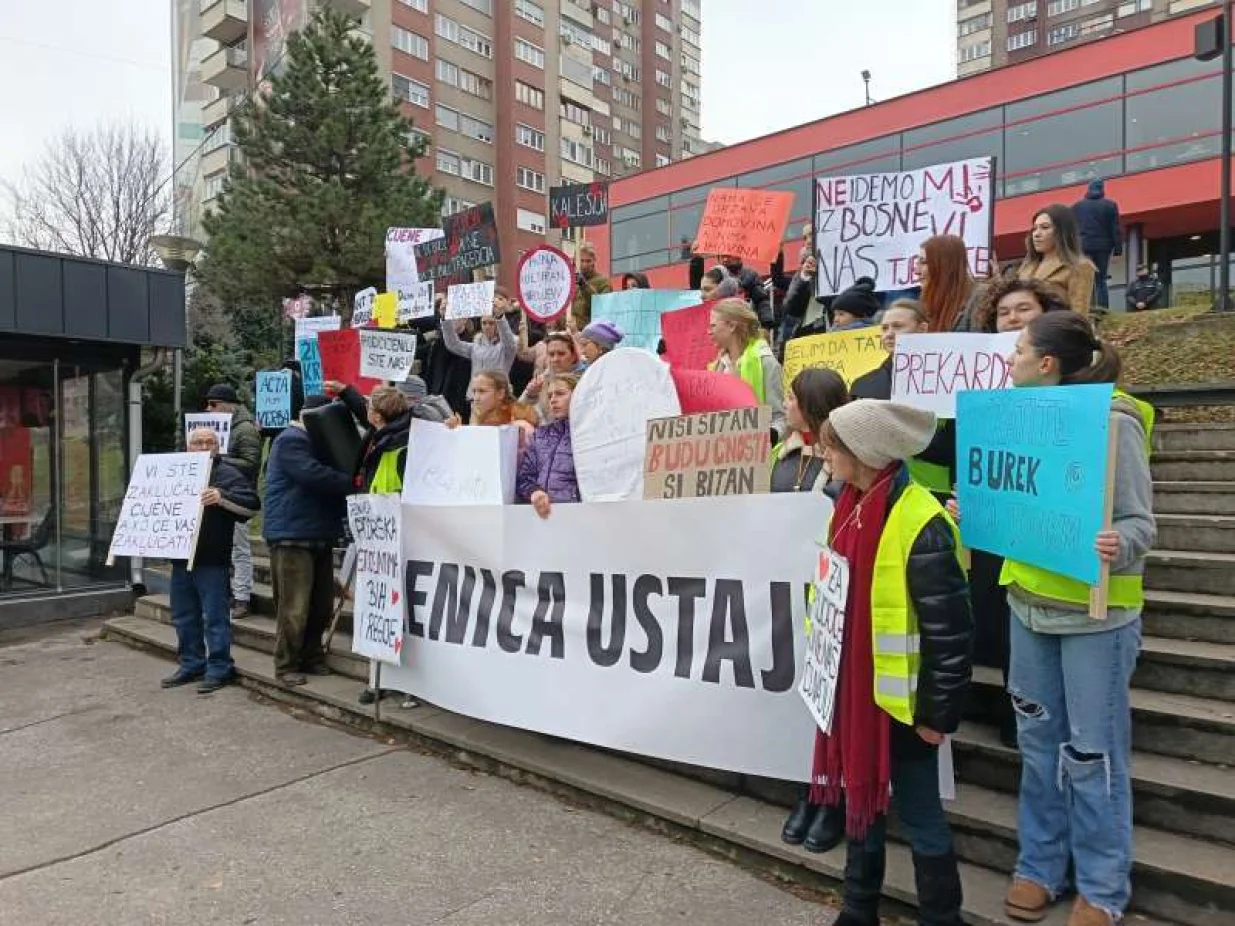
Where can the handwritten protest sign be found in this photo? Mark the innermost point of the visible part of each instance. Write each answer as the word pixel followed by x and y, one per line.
pixel 377 631
pixel 688 345
pixel 1031 474
pixel 219 422
pixel 709 391
pixel 362 309
pixel 401 255
pixel 415 300
pixel 579 205
pixel 470 300
pixel 716 453
pixel 310 357
pixel 827 635
pixel 637 312
pixel 609 413
pixel 162 507
pixel 386 310
pixel 873 224
pixel 460 466
pixel 746 223
pixel 930 369
pixel 849 353
pixel 309 327
pixel 273 404
pixel 387 354
pixel 469 242
pixel 546 283
pixel 340 352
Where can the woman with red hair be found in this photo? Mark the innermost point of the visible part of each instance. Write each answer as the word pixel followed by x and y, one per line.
pixel 949 291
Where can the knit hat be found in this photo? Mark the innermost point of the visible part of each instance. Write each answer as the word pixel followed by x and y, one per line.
pixel 605 334
pixel 413 388
pixel 879 433
pixel 221 392
pixel 859 300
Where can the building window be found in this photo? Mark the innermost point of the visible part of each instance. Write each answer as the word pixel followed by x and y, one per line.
pixel 1057 7
pixel 1022 39
pixel 465 80
pixel 464 37
pixel 629 156
pixel 602 45
pixel 529 95
pixel 1098 24
pixel 421 6
pixel 626 98
pixel 409 42
pixel 530 179
pixel 530 54
pixel 634 129
pixel 484 6
pixel 664 23
pixel 1133 7
pixel 603 167
pixel 573 33
pixel 531 221
pixel 602 135
pixel 452 205
pixel 662 160
pixel 464 124
pixel 408 90
pixel 477 171
pixel 573 112
pixel 1022 11
pixel 531 11
pixel 447 162
pixel 447 118
pixel 664 51
pixel 577 152
pixel 662 133
pixel 664 107
pixel 1061 34
pixel 631 42
pixel 690 65
pixel 664 79
pixel 691 36
pixel 529 137
pixel 601 76
pixel 415 138
pixel 629 14
pixel 974 52
pixel 602 16
pixel 976 24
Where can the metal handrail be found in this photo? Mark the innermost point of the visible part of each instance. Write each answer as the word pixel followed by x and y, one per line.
pixel 1186 395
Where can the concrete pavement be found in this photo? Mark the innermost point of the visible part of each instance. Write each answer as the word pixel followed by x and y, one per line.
pixel 122 803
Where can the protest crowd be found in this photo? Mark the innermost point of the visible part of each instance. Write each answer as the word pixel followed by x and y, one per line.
pixel 917 464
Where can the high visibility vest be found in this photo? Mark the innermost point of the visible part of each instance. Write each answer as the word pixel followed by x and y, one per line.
pixel 387 480
pixel 930 475
pixel 750 368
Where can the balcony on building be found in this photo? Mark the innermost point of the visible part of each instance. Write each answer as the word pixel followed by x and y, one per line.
pixel 227 68
pixel 225 21
pixel 215 112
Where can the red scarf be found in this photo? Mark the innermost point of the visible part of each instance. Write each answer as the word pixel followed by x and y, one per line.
pixel 854 760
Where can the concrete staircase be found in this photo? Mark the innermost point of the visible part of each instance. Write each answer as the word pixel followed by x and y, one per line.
pixel 1183 725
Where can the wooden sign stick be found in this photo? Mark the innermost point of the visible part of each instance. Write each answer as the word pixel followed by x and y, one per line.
pixel 1099 594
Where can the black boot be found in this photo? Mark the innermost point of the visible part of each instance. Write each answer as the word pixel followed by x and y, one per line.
pixel 863 885
pixel 826 831
pixel 799 819
pixel 939 890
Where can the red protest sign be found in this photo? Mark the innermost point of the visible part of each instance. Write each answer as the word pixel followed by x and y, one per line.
pixel 709 391
pixel 688 346
pixel 546 283
pixel 340 352
pixel 749 224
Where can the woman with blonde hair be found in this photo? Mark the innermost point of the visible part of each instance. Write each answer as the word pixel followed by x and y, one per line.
pixel 1054 255
pixel 735 330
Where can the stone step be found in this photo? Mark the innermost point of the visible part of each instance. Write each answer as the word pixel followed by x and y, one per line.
pixel 1189 616
pixel 1188 465
pixel 1194 436
pixel 1172 497
pixel 1199 533
pixel 1186 571
pixel 1203 670
pixel 1187 878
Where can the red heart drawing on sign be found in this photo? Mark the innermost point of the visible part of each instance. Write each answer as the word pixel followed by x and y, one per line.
pixel 825 565
pixel 398 645
pixel 394 596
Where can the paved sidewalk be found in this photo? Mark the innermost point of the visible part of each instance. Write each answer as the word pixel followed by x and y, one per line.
pixel 122 803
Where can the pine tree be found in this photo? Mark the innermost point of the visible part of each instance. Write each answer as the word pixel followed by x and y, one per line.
pixel 327 168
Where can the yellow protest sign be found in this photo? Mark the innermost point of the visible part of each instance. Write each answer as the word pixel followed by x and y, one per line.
pixel 849 353
pixel 386 309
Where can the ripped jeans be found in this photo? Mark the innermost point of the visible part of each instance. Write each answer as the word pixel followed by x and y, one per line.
pixel 1074 723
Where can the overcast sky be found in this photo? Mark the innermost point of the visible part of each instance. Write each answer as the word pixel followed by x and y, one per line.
pixel 767 65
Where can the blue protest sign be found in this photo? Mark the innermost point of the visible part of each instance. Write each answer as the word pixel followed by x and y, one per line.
pixel 273 406
pixel 637 312
pixel 310 357
pixel 1031 474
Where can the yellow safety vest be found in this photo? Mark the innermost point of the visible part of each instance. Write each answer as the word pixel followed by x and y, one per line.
pixel 750 368
pixel 387 480
pixel 930 475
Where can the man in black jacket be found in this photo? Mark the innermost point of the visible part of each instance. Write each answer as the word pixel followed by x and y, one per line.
pixel 752 289
pixel 200 595
pixel 1145 290
pixel 1097 219
pixel 244 451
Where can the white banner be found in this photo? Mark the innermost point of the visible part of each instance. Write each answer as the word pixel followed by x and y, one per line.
pixel 930 369
pixel 162 506
pixel 415 301
pixel 401 244
pixel 470 300
pixel 872 225
pixel 378 597
pixel 308 328
pixel 219 422
pixel 387 354
pixel 460 466
pixel 362 308
pixel 669 628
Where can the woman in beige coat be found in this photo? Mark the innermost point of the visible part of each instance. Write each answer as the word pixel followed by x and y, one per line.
pixel 1054 256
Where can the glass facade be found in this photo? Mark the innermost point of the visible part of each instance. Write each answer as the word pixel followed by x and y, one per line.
pixel 1156 117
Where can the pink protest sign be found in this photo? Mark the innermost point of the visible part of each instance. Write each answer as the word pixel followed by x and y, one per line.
pixel 688 346
pixel 709 391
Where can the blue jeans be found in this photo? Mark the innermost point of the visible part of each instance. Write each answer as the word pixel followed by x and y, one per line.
pixel 202 618
pixel 1102 262
pixel 1074 722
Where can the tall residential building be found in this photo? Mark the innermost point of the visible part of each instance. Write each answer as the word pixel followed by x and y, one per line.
pixel 512 96
pixel 992 33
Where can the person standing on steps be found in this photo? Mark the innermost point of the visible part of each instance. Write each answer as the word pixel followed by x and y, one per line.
pixel 199 594
pixel 1054 256
pixel 590 283
pixel 1097 220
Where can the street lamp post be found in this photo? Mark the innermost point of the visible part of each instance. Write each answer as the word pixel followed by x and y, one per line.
pixel 177 254
pixel 1213 38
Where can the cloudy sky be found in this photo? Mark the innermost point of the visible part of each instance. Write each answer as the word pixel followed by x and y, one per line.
pixel 77 62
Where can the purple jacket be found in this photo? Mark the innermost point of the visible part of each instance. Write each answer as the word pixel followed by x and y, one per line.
pixel 549 464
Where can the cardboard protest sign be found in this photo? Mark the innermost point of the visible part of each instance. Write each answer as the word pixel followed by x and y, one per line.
pixel 340 353
pixel 873 224
pixel 546 284
pixel 387 355
pixel 386 310
pixel 827 635
pixel 401 255
pixel 162 508
pixel 378 608
pixel 746 223
pixel 470 300
pixel 710 391
pixel 579 205
pixel 273 402
pixel 688 344
pixel 609 413
pixel 460 466
pixel 849 353
pixel 716 453
pixel 310 357
pixel 469 242
pixel 930 369
pixel 219 422
pixel 637 312
pixel 1031 474
pixel 309 327
pixel 415 300
pixel 362 309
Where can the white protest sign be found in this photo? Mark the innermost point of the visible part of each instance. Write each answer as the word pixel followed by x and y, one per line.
pixel 362 308
pixel 308 328
pixel 219 422
pixel 636 626
pixel 546 283
pixel 377 625
pixel 827 635
pixel 460 466
pixel 930 369
pixel 415 301
pixel 162 507
pixel 873 224
pixel 470 300
pixel 401 244
pixel 386 354
pixel 609 415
